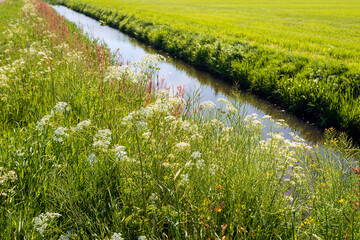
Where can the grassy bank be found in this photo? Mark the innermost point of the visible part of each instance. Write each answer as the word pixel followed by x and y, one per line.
pixel 271 49
pixel 92 150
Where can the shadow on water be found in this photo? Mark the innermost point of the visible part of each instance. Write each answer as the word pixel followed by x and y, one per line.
pixel 178 73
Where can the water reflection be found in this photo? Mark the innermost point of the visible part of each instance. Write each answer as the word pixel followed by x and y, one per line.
pixel 177 73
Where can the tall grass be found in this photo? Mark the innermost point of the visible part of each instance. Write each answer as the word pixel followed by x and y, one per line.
pixel 93 149
pixel 270 59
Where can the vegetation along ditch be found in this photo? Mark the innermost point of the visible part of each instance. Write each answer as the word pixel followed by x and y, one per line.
pixel 317 84
pixel 93 148
pixel 175 73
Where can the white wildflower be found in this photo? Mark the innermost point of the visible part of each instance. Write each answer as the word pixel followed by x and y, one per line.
pixel 59 133
pixel 223 100
pixel 251 117
pixel 189 164
pixel 231 108
pixel 128 119
pixel 289 197
pixel 102 139
pixel 277 136
pixel 116 236
pixel 67 236
pixel 213 168
pixel 288 143
pixel 64 237
pixel 298 139
pixel 120 153
pixel 185 178
pixel 61 107
pixel 216 122
pixel 166 164
pixel 196 155
pixel 142 238
pixel 256 122
pixel 40 124
pixel 170 118
pixel 278 124
pixel 141 126
pixel 20 152
pixel 147 135
pixel 182 146
pixel 91 159
pixel 200 164
pixel 81 125
pixel 207 105
pixel 41 222
pixel 196 136
pixel 248 118
pixel 153 197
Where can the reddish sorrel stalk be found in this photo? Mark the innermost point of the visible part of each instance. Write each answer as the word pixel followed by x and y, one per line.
pixel 97 55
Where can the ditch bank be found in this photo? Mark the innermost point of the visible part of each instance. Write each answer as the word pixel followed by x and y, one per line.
pixel 326 92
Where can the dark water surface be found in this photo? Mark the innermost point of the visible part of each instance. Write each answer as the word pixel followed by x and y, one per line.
pixel 177 73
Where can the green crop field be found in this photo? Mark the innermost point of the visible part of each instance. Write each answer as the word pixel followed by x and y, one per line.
pixel 327 29
pixel 303 55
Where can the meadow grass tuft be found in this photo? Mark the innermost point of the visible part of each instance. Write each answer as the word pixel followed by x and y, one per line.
pixel 93 149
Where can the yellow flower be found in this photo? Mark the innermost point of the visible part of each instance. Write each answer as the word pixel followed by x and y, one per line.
pixel 341 200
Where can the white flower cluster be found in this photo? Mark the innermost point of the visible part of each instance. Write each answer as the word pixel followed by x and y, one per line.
pixel 29 7
pixel 120 153
pixel 41 124
pixel 82 125
pixel 4 87
pixel 91 159
pixel 116 236
pixel 59 108
pixel 162 107
pixel 153 198
pixel 59 133
pixel 41 222
pixel 253 120
pixel 200 163
pixel 213 168
pixel 136 71
pixel 182 146
pixel 67 236
pixel 5 179
pixel 229 107
pixel 207 105
pixel 196 155
pixel 73 56
pixel 151 61
pixel 286 152
pixel 185 178
pixel 102 139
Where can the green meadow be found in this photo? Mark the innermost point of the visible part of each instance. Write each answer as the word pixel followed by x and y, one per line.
pixel 303 55
pixel 91 148
pixel 326 29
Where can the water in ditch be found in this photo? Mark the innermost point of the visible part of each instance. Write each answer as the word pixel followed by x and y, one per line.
pixel 177 73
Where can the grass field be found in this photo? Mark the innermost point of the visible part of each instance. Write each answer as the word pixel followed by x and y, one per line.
pixel 91 149
pixel 304 55
pixel 328 29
